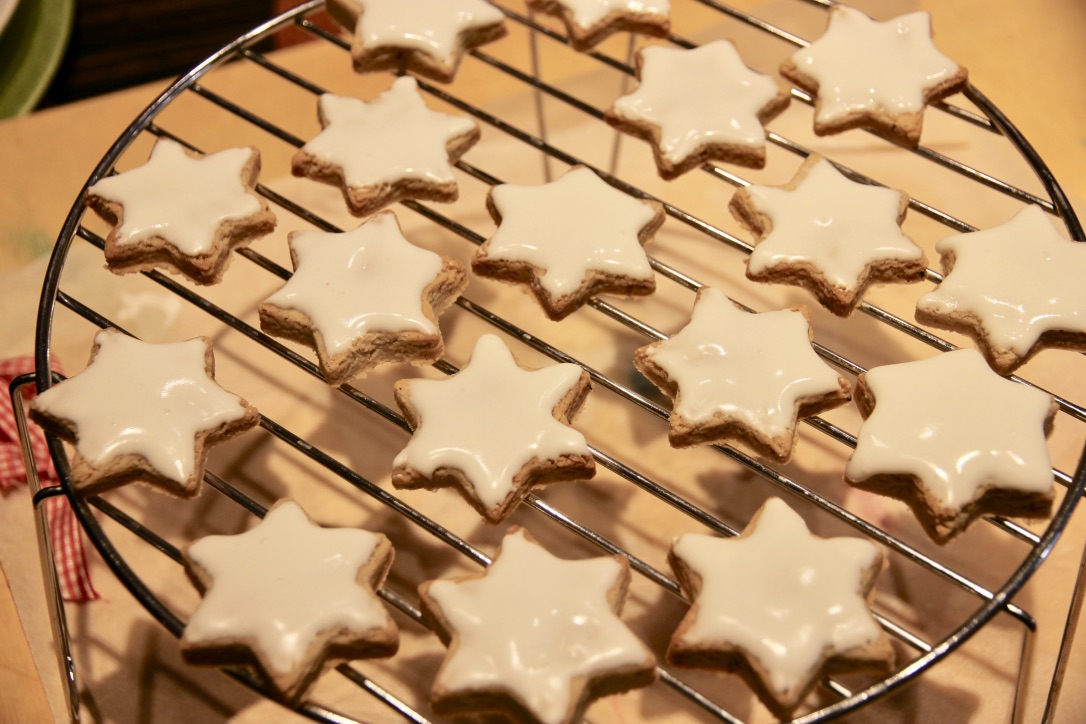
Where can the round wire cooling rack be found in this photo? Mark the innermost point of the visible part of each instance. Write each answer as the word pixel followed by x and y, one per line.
pixel 536 125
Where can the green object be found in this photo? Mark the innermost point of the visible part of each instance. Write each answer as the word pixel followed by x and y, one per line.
pixel 31 48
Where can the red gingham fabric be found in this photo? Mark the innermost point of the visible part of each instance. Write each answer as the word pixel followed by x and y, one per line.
pixel 70 559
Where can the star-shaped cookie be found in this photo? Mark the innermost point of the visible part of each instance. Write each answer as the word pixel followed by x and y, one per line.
pixel 427 37
pixel 1014 289
pixel 182 212
pixel 828 234
pixel 778 606
pixel 534 637
pixel 875 75
pixel 363 298
pixel 143 412
pixel 569 240
pixel 590 22
pixel 494 430
pixel 391 148
pixel 741 377
pixel 288 598
pixel 974 445
pixel 699 105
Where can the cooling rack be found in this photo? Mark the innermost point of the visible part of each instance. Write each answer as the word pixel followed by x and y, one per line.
pixel 935 601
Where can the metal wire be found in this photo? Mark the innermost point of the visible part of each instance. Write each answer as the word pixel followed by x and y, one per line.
pixel 990 602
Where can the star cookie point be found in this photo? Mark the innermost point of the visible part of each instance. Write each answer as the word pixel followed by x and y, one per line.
pixel 494 430
pixel 288 598
pixel 534 637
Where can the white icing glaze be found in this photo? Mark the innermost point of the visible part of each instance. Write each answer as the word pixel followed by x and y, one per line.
pixel 587 13
pixel 370 279
pixel 532 625
pixel 698 97
pixel 392 138
pixel 490 420
pixel 1019 279
pixel 862 65
pixel 431 26
pixel 282 584
pixel 975 429
pixel 569 227
pixel 800 599
pixel 181 199
pixel 143 399
pixel 752 368
pixel 839 226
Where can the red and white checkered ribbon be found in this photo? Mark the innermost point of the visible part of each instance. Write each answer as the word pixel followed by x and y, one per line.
pixel 68 554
